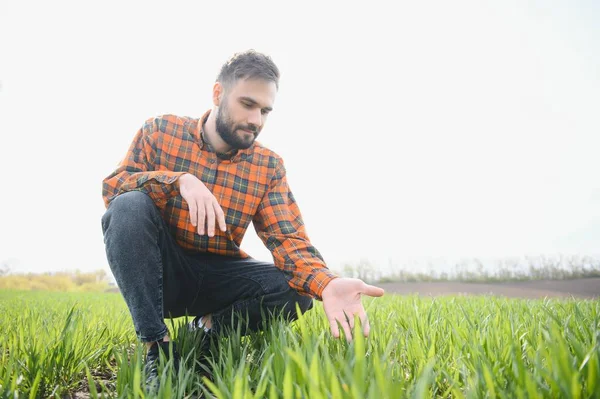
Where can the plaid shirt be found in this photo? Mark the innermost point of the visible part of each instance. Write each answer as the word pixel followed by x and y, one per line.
pixel 250 186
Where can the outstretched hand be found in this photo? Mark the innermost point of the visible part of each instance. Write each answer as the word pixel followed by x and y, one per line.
pixel 341 300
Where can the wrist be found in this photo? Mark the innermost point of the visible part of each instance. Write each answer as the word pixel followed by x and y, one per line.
pixel 182 179
pixel 327 291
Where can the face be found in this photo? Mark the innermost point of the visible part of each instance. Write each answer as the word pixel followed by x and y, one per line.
pixel 243 110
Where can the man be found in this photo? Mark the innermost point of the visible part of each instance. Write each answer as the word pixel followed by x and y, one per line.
pixel 179 205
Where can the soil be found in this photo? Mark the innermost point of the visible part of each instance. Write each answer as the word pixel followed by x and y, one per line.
pixel 581 288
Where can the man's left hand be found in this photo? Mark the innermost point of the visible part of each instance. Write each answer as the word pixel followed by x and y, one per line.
pixel 341 300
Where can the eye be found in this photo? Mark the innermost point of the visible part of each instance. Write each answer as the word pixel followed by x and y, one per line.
pixel 264 111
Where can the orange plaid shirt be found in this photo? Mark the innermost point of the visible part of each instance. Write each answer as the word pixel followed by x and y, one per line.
pixel 251 186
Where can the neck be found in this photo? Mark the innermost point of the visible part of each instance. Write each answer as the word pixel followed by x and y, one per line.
pixel 213 137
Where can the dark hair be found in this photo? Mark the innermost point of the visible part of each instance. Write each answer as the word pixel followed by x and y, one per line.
pixel 248 65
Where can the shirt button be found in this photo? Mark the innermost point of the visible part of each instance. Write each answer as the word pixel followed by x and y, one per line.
pixel 243 156
pixel 211 160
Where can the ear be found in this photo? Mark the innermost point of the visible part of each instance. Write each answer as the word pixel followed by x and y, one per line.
pixel 218 90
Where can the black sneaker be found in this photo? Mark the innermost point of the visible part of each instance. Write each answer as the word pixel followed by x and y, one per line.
pixel 203 339
pixel 196 327
pixel 153 358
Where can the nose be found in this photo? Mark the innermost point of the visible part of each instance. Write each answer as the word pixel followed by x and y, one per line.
pixel 255 118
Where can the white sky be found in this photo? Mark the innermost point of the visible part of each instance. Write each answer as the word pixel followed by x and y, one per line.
pixel 409 129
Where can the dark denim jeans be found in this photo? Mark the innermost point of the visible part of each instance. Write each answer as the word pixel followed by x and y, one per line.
pixel 159 280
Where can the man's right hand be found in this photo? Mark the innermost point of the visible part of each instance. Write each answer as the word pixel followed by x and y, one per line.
pixel 202 204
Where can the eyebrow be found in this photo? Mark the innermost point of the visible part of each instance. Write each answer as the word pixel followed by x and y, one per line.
pixel 251 100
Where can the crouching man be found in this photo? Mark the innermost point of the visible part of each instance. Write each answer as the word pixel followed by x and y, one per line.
pixel 178 207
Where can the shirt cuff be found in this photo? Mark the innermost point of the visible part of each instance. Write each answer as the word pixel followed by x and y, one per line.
pixel 320 281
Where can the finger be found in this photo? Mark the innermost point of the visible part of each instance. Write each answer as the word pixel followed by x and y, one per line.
pixel 220 216
pixel 201 219
pixel 349 320
pixel 366 328
pixel 371 290
pixel 334 328
pixel 193 213
pixel 347 330
pixel 364 321
pixel 210 219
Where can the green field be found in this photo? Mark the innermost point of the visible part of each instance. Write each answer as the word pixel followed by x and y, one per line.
pixel 83 345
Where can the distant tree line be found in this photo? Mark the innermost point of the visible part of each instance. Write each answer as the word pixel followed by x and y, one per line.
pixel 559 267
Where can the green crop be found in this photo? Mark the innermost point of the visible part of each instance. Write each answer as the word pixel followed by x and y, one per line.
pixel 59 345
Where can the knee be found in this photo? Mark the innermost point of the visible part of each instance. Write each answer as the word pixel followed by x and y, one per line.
pixel 128 209
pixel 305 303
pixel 288 299
pixel 295 303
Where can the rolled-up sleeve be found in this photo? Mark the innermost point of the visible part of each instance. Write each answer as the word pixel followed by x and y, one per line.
pixel 278 222
pixel 135 172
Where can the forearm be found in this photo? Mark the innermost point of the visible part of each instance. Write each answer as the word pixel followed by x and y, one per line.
pixel 279 224
pixel 137 171
pixel 159 185
pixel 307 271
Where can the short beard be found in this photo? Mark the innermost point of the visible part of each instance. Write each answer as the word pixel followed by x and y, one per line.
pixel 227 129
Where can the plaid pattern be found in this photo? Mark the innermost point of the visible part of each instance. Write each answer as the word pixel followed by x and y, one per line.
pixel 251 186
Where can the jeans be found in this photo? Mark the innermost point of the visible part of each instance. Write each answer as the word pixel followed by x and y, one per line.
pixel 158 279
